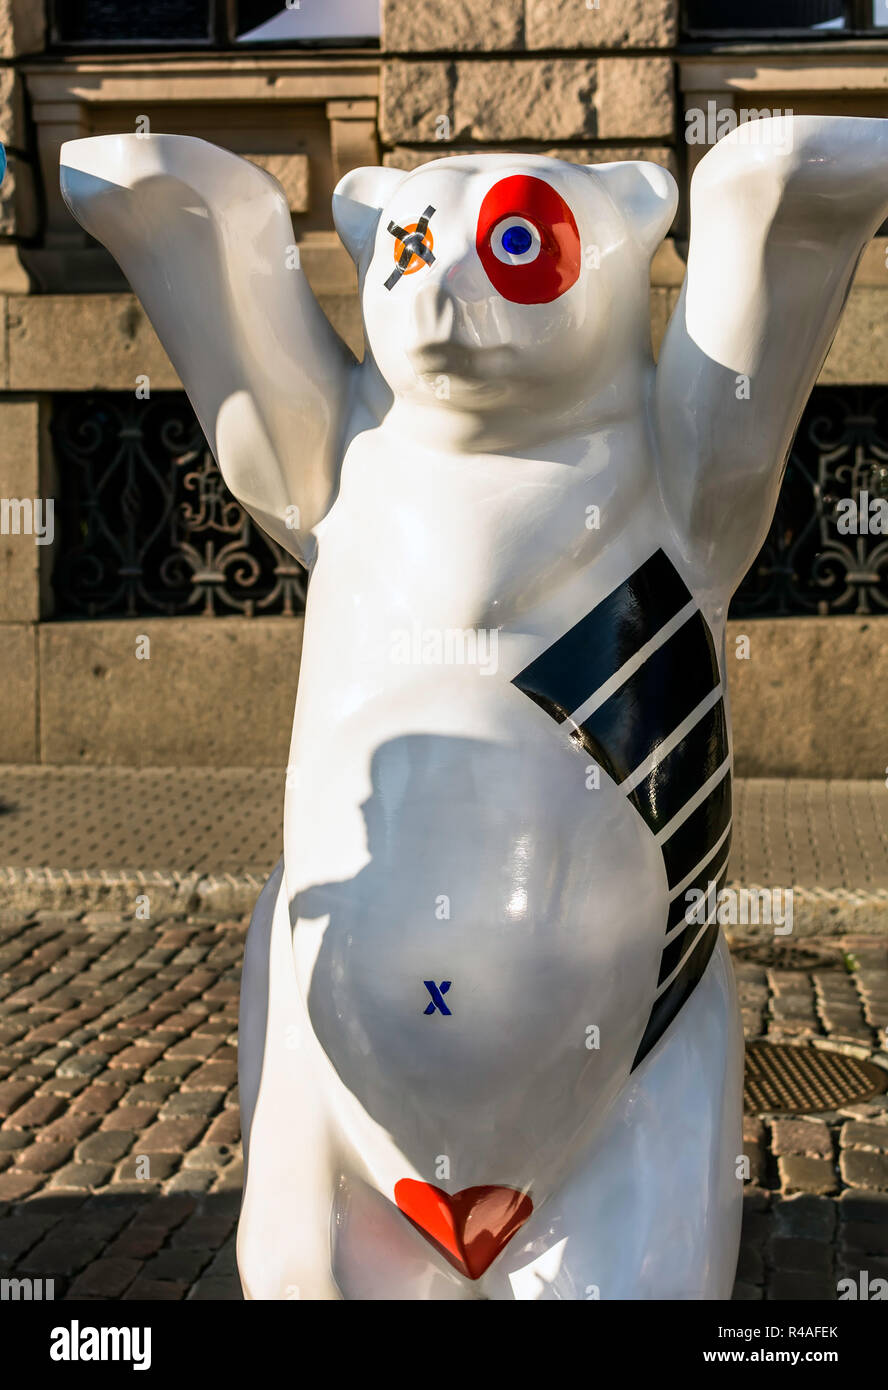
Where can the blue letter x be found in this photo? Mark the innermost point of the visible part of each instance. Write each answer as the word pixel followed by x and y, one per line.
pixel 436 991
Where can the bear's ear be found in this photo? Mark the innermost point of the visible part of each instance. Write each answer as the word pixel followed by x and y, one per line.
pixel 645 193
pixel 358 199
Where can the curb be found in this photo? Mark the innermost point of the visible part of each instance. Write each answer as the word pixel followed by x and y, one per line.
pixel 817 912
pixel 168 893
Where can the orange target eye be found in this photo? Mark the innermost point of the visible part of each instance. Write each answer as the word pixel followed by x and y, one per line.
pixel 415 262
pixel 413 247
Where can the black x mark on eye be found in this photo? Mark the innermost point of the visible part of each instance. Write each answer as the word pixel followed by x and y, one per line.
pixel 412 241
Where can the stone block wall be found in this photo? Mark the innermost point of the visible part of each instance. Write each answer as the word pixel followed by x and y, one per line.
pixel 588 83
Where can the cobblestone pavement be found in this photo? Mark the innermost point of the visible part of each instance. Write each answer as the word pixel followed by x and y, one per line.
pixel 816 1205
pixel 120 1165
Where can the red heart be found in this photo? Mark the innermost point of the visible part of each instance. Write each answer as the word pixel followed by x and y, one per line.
pixel 469 1228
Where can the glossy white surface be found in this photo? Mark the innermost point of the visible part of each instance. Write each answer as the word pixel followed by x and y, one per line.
pixel 446 484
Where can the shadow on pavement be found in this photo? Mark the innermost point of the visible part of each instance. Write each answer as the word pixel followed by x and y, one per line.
pixel 121 1245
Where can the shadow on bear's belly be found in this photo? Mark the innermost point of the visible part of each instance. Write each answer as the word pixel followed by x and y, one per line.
pixel 481 985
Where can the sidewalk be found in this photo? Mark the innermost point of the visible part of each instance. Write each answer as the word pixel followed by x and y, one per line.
pixel 203 841
pixel 120 1165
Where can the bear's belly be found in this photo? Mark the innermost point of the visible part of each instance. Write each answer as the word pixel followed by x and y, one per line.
pixel 477 931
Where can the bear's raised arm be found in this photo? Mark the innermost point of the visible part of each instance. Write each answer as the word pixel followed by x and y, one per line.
pixel 781 210
pixel 205 240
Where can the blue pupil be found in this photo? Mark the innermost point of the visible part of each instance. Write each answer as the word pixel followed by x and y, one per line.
pixel 516 240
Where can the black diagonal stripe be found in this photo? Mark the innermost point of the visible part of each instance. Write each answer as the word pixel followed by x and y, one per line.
pixel 696 835
pixel 423 223
pixel 677 947
pixel 701 882
pixel 671 1000
pixel 683 771
pixel 658 696
pixel 573 668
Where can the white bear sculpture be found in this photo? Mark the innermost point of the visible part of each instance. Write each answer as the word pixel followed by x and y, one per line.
pixel 486 1050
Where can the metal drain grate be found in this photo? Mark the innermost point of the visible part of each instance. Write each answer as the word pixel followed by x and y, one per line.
pixel 785 1078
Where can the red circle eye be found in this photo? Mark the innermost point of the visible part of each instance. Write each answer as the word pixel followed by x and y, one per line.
pixel 528 278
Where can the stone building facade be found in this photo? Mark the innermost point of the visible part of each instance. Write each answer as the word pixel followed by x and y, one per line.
pixel 585 81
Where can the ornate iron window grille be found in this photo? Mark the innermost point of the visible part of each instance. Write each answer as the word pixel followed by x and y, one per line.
pixel 147 524
pixel 807 564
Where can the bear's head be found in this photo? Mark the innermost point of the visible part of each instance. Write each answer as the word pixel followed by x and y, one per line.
pixel 505 281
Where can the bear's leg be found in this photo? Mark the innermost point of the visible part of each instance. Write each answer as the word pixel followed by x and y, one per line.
pixel 378 1255
pixel 283 1242
pixel 653 1209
